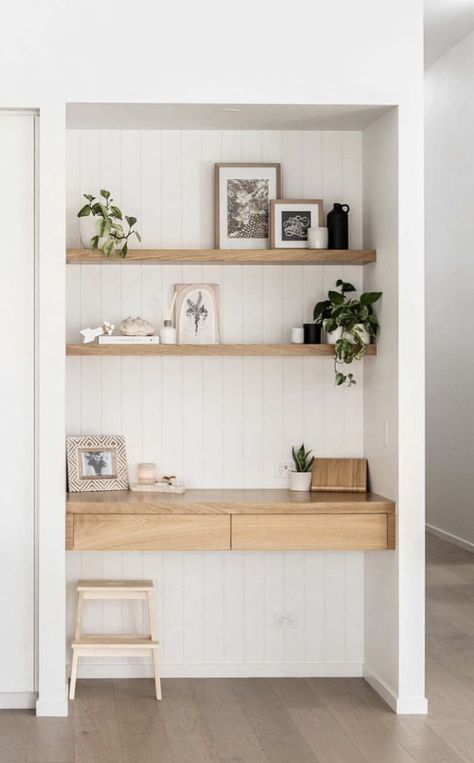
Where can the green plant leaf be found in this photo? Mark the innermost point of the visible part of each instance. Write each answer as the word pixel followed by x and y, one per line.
pixel 84 211
pixel 105 194
pixel 319 309
pixel 116 212
pixel 95 242
pixel 89 197
pixel 124 250
pixel 139 238
pixel 131 220
pixel 109 248
pixel 96 209
pixel 370 297
pixel 336 298
pixel 340 378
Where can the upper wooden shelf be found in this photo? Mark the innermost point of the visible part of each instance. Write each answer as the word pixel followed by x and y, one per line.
pixel 294 350
pixel 228 256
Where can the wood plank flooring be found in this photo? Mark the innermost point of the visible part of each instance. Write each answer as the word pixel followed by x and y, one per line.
pixel 275 720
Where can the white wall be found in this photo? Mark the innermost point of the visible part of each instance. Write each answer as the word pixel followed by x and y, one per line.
pixel 449 279
pixel 17 411
pixel 354 62
pixel 219 422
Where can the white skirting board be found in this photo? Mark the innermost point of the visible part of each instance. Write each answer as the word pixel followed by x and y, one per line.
pixel 400 705
pixel 450 538
pixel 224 670
pixel 17 700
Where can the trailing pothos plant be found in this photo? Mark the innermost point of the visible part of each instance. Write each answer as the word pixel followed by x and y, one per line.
pixel 355 321
pixel 110 224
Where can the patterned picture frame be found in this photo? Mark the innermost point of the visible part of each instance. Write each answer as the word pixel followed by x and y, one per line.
pixel 290 220
pixel 243 193
pixel 96 463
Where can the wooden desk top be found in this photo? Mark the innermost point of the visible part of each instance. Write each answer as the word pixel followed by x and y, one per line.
pixel 228 502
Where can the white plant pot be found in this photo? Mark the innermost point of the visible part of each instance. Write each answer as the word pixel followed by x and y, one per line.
pixel 300 480
pixel 87 231
pixel 333 336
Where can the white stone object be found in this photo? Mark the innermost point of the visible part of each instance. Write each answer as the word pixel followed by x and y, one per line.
pixel 88 335
pixel 136 327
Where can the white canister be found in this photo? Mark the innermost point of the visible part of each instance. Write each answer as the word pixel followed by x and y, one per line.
pixel 168 333
pixel 317 238
pixel 297 335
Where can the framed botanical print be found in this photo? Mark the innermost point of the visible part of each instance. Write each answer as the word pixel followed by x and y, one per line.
pixel 290 220
pixel 96 463
pixel 243 196
pixel 197 313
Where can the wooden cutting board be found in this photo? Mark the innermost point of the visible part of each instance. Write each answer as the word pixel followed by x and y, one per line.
pixel 339 475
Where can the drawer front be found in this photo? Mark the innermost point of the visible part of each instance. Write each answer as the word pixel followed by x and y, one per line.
pixel 145 532
pixel 323 532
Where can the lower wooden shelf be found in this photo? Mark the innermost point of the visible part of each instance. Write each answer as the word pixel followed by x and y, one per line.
pixel 225 520
pixel 291 350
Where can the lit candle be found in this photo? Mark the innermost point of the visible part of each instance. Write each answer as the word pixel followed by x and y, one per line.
pixel 146 474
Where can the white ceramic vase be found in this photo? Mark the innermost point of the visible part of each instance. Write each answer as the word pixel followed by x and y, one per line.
pixel 87 231
pixel 300 481
pixel 333 336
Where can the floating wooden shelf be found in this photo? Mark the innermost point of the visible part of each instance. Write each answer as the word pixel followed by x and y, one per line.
pixel 229 520
pixel 228 256
pixel 290 350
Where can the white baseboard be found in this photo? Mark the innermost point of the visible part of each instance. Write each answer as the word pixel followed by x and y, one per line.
pixel 224 670
pixel 400 705
pixel 450 538
pixel 53 708
pixel 17 700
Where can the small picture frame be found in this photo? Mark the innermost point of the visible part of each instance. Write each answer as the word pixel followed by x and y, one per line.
pixel 197 313
pixel 290 220
pixel 96 463
pixel 243 195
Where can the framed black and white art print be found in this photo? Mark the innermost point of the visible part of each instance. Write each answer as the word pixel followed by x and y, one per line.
pixel 243 196
pixel 96 462
pixel 290 220
pixel 197 313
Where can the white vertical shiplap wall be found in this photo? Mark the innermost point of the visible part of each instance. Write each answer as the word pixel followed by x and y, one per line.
pixel 217 422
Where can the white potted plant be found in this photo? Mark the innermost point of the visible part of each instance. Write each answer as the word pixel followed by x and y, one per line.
pixel 350 325
pixel 300 477
pixel 102 226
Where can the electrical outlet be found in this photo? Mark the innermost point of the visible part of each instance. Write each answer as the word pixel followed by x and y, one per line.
pixel 284 620
pixel 282 468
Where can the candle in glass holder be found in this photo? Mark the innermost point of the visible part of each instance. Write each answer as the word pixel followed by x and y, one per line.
pixel 146 474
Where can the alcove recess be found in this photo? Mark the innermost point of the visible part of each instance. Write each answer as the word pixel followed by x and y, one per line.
pixel 224 418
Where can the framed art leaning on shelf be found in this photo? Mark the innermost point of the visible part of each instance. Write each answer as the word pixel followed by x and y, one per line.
pixel 96 463
pixel 243 195
pixel 197 313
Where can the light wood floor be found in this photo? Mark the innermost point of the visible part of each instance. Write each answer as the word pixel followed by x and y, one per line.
pixel 275 720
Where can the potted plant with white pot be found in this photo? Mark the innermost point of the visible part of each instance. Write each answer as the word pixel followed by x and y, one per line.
pixel 103 226
pixel 350 324
pixel 300 476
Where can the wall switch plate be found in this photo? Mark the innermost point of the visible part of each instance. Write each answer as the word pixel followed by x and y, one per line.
pixel 282 468
pixel 284 620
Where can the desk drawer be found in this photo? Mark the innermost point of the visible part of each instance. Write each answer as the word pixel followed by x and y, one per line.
pixel 322 532
pixel 146 532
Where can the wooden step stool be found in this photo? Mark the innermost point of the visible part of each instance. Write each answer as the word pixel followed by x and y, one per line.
pixel 117 646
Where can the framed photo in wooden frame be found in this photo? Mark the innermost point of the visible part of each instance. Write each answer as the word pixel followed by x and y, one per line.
pixel 290 220
pixel 243 195
pixel 96 463
pixel 197 313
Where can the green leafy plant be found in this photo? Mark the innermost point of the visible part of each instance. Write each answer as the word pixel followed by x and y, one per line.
pixel 355 318
pixel 302 458
pixel 110 224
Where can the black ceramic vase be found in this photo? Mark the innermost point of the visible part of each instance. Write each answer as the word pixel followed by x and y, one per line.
pixel 338 227
pixel 312 333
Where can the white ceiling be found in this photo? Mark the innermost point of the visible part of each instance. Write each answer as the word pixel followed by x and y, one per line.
pixel 166 116
pixel 446 22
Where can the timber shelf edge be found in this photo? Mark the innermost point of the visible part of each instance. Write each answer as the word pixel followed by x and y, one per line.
pixel 269 350
pixel 227 256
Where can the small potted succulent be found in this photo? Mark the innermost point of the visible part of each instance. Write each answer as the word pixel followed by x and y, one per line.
pixel 300 477
pixel 102 226
pixel 350 325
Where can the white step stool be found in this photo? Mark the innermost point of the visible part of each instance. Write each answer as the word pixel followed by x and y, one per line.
pixel 117 646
